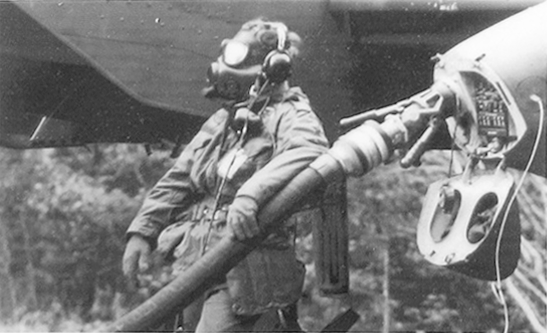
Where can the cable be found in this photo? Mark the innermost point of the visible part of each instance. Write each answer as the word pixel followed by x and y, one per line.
pixel 453 146
pixel 497 286
pixel 239 145
pixel 452 151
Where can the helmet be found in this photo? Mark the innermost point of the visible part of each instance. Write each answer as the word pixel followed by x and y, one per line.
pixel 260 50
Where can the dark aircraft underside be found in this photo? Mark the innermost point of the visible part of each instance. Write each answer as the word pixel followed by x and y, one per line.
pixel 74 73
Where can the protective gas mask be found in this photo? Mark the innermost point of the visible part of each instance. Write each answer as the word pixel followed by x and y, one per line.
pixel 260 50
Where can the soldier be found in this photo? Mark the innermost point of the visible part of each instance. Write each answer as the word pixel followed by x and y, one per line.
pixel 242 156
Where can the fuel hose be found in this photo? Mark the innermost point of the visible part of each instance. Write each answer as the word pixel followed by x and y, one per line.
pixel 214 265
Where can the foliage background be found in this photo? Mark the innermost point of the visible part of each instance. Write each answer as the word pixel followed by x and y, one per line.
pixel 64 213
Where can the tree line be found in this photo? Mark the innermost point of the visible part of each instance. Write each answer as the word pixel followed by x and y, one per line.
pixel 65 211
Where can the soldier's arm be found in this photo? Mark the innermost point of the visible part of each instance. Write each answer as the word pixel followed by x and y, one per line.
pixel 175 191
pixel 300 139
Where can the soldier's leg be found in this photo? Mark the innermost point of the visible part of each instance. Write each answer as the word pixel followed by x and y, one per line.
pixel 217 315
pixel 191 315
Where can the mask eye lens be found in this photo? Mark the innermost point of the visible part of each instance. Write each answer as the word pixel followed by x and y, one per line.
pixel 234 53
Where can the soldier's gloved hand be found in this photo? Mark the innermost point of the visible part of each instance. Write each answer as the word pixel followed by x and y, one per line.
pixel 136 258
pixel 242 218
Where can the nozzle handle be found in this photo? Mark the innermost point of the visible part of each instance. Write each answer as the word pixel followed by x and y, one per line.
pixel 378 115
pixel 412 157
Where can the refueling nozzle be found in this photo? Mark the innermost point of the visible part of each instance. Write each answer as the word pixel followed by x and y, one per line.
pixel 409 124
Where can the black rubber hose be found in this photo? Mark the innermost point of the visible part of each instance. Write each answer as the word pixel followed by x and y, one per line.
pixel 214 265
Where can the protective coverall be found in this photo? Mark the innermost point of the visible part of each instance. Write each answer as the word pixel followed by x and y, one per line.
pixel 254 167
